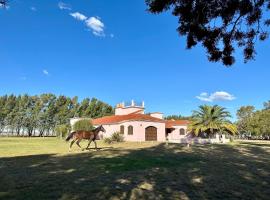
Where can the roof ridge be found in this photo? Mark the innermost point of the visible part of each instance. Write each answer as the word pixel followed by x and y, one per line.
pixel 134 112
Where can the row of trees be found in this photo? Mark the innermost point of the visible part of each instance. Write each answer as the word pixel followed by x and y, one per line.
pixel 41 114
pixel 177 117
pixel 254 123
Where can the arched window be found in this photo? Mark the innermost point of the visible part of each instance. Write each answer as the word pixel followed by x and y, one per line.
pixel 122 129
pixel 130 130
pixel 182 131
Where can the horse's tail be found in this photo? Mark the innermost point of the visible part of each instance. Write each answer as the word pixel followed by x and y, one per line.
pixel 70 136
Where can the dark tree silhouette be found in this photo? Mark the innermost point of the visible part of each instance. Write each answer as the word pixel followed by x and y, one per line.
pixel 219 25
pixel 3 3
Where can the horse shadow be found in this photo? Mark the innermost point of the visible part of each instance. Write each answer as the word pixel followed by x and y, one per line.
pixel 99 148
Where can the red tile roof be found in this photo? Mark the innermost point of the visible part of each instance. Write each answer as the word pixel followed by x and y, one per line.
pixel 129 117
pixel 171 123
pixel 137 117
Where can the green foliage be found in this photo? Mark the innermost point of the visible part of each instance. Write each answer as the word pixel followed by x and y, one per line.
pixel 211 120
pixel 254 123
pixel 220 26
pixel 62 130
pixel 83 125
pixel 244 114
pixel 116 137
pixel 40 114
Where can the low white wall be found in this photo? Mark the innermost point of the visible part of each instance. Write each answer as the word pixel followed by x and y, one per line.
pixel 200 141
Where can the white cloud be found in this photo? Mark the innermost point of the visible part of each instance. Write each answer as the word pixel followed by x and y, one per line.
pixel 216 96
pixel 64 6
pixel 33 8
pixel 96 26
pixel 112 35
pixel 78 16
pixel 45 72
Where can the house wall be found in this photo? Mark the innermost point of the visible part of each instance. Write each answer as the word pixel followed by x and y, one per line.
pixel 138 130
pixel 175 134
pixel 157 115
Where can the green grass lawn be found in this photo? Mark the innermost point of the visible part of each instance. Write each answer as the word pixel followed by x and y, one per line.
pixel 42 168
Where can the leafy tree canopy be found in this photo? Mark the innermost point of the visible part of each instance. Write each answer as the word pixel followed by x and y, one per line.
pixel 41 114
pixel 83 125
pixel 255 123
pixel 219 25
pixel 3 3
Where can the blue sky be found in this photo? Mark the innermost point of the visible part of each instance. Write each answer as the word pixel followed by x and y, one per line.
pixel 116 51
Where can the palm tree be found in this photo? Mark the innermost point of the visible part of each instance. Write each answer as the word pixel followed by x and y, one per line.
pixel 211 120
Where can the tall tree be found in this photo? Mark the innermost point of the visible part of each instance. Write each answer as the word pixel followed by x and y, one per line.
pixel 254 123
pixel 211 120
pixel 83 107
pixel 219 25
pixel 3 100
pixel 9 112
pixel 41 114
pixel 244 114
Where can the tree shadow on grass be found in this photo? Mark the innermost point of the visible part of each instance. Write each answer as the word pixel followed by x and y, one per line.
pixel 262 144
pixel 159 172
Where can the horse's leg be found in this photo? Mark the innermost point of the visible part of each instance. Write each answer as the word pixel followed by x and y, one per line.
pixel 78 143
pixel 95 144
pixel 89 144
pixel 72 142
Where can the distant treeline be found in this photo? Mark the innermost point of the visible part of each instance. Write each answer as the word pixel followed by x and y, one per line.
pixel 39 115
pixel 254 124
pixel 177 117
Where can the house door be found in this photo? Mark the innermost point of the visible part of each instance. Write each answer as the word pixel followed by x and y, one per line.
pixel 151 133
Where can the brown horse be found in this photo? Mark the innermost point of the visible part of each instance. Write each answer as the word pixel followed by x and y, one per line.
pixel 88 135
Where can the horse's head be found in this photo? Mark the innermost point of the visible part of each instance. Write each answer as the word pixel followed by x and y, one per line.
pixel 102 129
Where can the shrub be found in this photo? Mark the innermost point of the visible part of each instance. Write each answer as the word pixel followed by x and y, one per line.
pixel 62 130
pixel 107 140
pixel 116 137
pixel 83 125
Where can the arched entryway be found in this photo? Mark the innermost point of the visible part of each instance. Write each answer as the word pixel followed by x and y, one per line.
pixel 151 133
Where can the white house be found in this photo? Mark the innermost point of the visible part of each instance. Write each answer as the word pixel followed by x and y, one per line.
pixel 135 125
